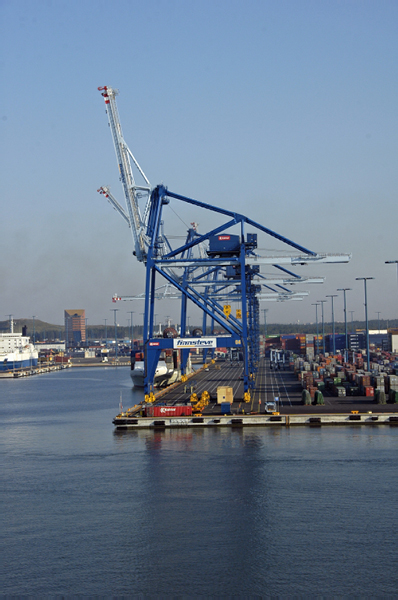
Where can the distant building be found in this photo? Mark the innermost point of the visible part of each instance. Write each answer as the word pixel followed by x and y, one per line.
pixel 357 341
pixel 75 327
pixel 47 346
pixel 393 340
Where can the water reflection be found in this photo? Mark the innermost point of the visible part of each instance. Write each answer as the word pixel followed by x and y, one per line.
pixel 188 512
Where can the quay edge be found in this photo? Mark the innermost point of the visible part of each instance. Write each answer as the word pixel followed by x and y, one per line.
pixel 311 420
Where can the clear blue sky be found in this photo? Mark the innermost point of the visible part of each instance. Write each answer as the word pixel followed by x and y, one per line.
pixel 283 110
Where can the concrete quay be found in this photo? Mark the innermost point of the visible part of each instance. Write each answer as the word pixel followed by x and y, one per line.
pixel 28 371
pixel 282 385
pixel 237 421
pixel 97 362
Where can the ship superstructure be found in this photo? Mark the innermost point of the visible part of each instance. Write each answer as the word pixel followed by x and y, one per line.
pixel 16 351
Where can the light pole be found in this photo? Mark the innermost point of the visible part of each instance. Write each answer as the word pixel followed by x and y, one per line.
pixel 317 333
pixel 333 331
pixel 393 262
pixel 365 279
pixel 344 290
pixel 114 312
pixel 321 302
pixel 106 334
pixel 34 334
pixel 132 330
pixel 265 310
pixel 378 317
pixel 11 323
pixel 352 320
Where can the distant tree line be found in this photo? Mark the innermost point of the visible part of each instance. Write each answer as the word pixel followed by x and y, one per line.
pixel 279 328
pixel 41 330
pixel 47 331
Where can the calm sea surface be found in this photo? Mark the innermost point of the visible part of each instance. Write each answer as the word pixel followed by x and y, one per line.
pixel 85 510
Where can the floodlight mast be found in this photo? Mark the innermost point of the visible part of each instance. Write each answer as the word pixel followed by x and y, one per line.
pixel 365 279
pixel 344 290
pixel 393 262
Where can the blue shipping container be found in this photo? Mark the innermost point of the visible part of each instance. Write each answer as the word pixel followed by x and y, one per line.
pixel 224 244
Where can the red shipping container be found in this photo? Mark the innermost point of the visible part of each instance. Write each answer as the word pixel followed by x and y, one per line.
pixel 369 391
pixel 61 359
pixel 168 411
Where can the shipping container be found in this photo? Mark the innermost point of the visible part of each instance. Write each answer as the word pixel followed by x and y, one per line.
pixel 168 411
pixel 62 359
pixel 225 394
pixel 224 245
pixel 393 396
pixel 225 408
pixel 291 344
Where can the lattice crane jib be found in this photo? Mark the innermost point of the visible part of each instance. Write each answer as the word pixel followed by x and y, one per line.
pixel 132 191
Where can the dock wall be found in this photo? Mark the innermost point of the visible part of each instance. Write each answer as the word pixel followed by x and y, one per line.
pixel 256 421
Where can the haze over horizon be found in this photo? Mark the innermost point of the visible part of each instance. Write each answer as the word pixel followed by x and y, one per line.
pixel 282 111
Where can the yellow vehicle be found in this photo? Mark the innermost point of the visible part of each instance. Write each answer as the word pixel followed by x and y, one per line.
pixel 199 404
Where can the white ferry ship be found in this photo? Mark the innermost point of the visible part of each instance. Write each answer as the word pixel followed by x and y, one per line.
pixel 16 351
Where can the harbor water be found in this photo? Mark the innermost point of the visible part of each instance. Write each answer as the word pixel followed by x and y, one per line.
pixel 187 512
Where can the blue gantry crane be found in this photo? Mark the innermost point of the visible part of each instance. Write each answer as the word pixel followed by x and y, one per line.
pixel 211 270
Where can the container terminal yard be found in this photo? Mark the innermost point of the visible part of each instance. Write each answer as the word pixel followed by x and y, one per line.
pixel 295 392
pixel 223 273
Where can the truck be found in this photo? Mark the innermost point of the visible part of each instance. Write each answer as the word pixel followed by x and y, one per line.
pixel 271 406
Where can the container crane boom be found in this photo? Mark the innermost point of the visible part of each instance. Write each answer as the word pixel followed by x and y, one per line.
pixel 131 191
pixel 227 266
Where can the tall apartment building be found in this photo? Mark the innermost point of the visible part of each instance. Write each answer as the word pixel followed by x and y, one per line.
pixel 75 327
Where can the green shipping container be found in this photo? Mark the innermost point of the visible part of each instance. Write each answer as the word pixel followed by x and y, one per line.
pixel 393 396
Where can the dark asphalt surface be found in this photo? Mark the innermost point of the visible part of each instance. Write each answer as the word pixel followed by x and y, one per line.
pixel 270 384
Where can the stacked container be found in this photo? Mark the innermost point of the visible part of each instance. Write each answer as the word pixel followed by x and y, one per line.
pixel 225 394
pixel 393 388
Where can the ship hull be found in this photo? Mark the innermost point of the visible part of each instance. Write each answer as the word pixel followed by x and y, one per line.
pixel 163 374
pixel 13 361
pixel 16 352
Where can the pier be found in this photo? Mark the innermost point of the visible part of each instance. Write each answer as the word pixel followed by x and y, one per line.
pixel 28 371
pixel 277 401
